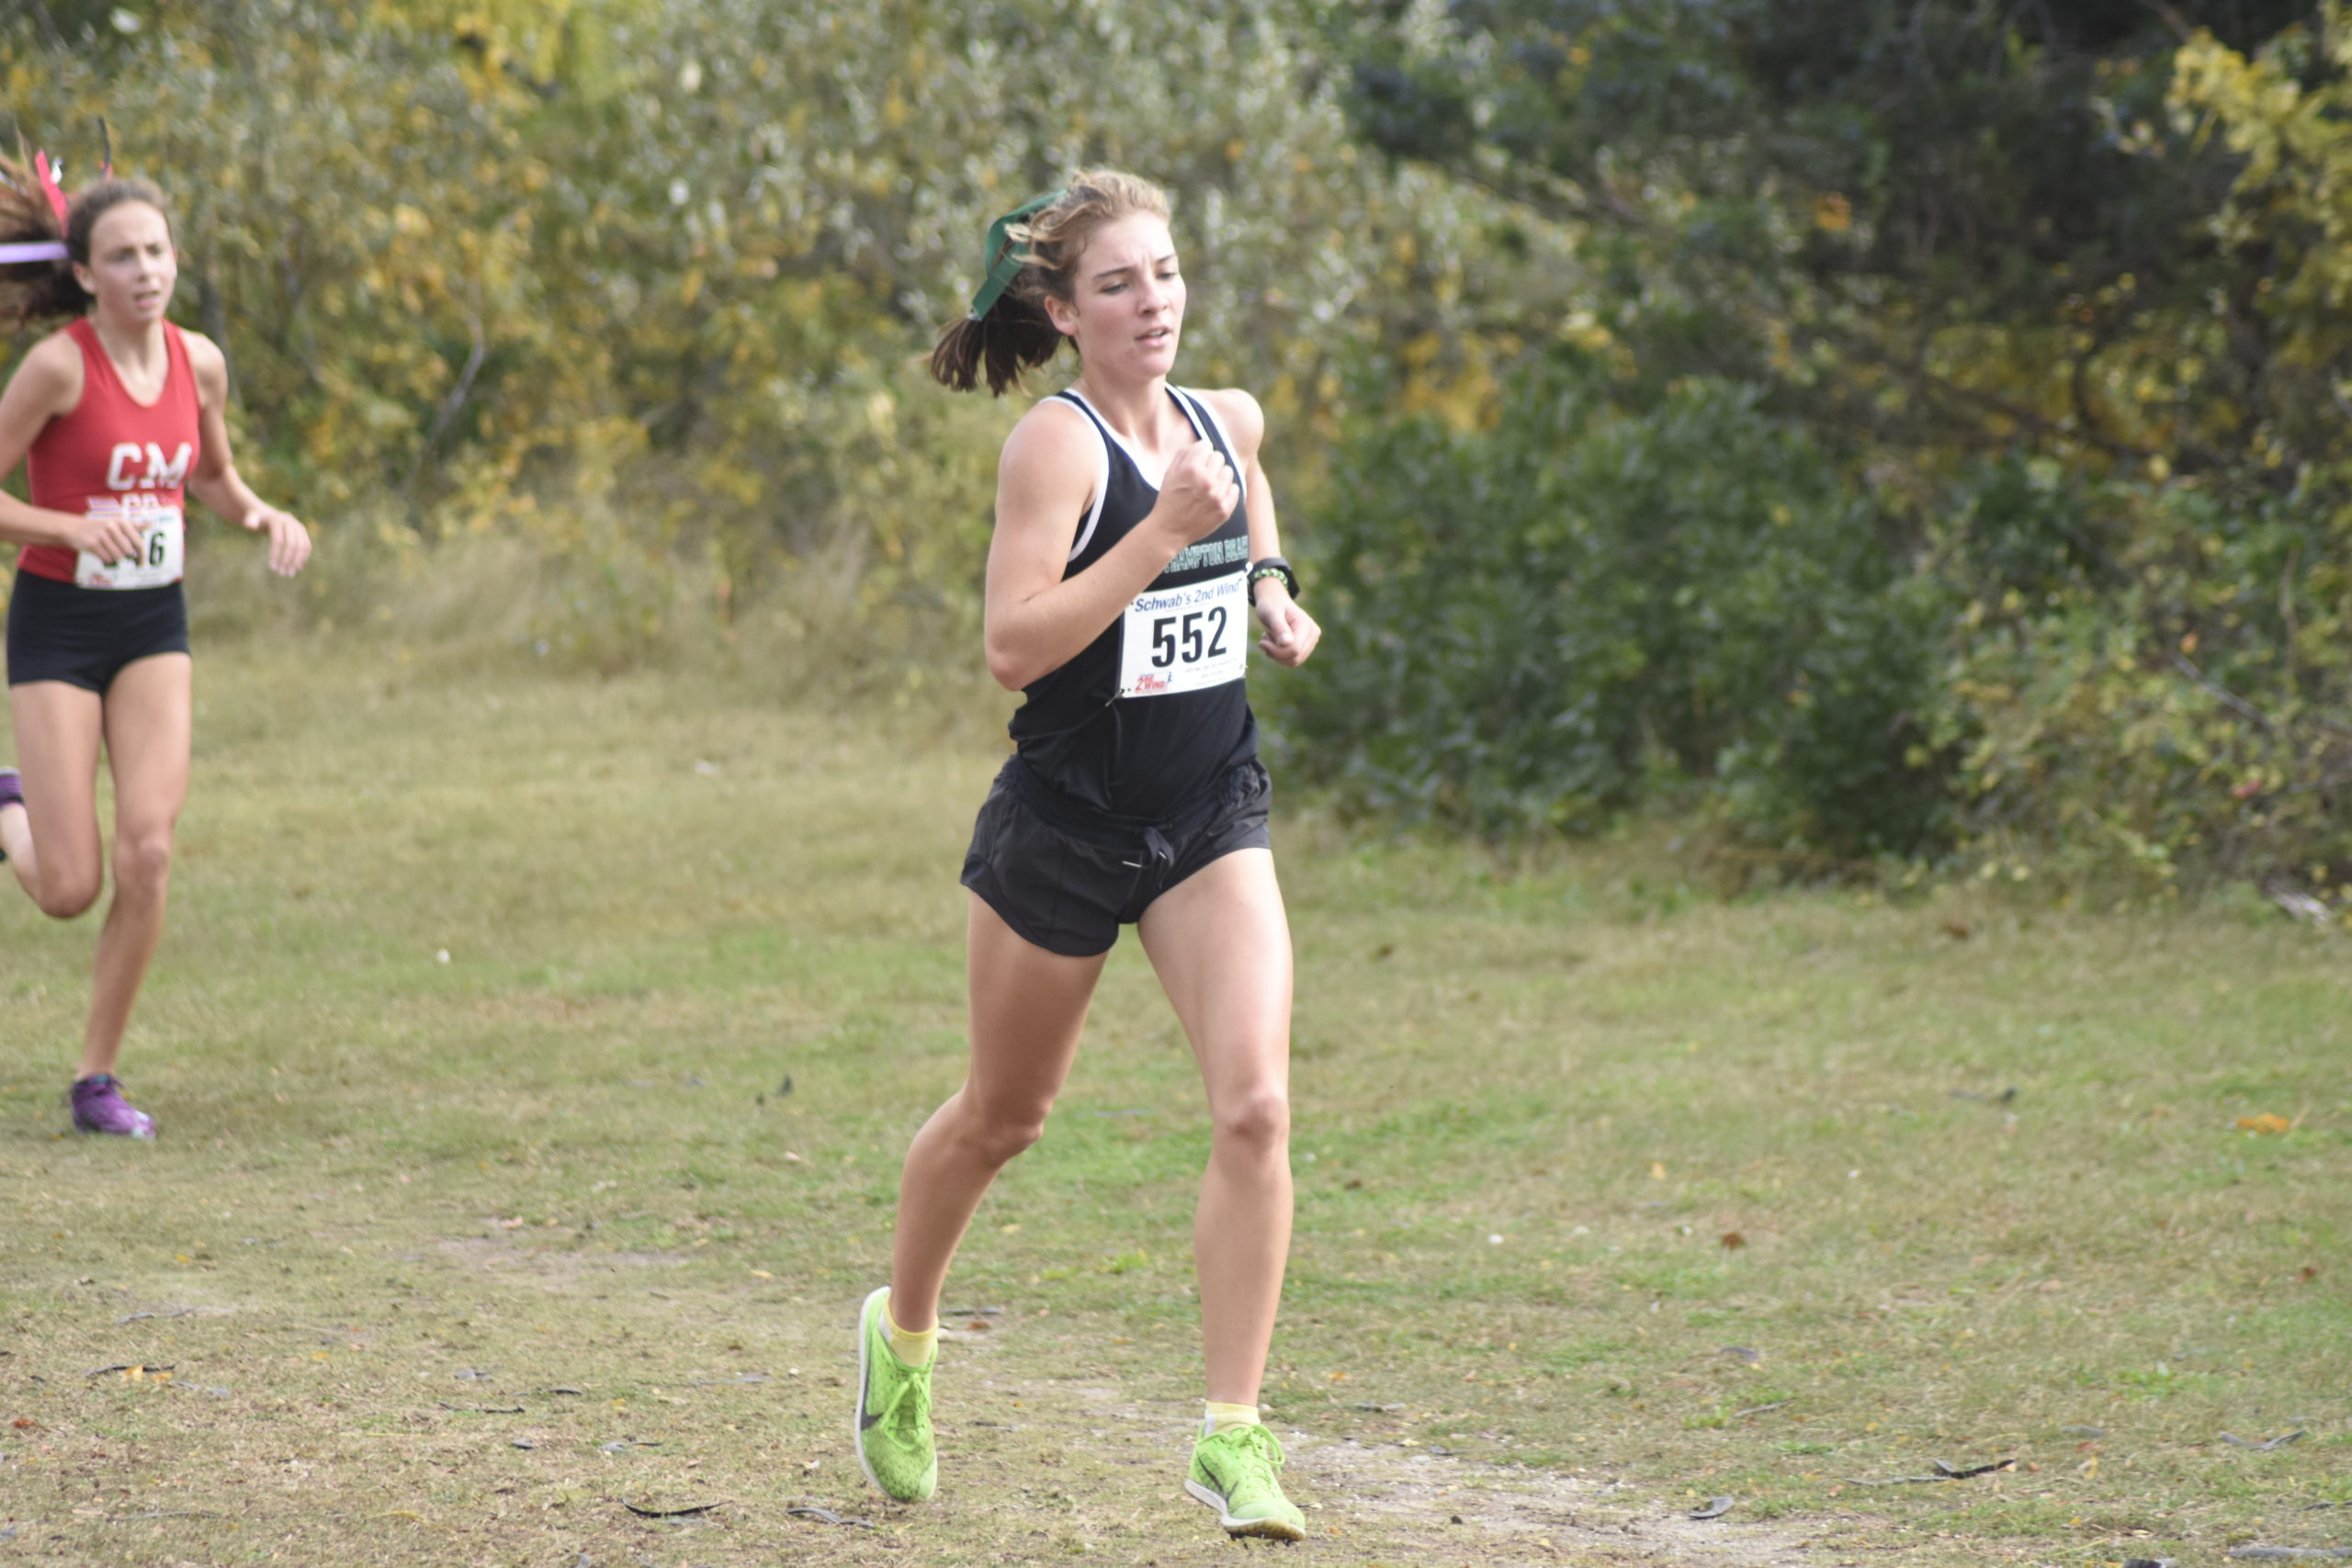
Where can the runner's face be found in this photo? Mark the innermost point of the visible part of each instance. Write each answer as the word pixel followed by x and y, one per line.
pixel 1128 307
pixel 133 265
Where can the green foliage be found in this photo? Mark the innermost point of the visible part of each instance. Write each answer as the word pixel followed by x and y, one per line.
pixel 1946 225
pixel 2179 713
pixel 2067 287
pixel 1523 623
pixel 648 281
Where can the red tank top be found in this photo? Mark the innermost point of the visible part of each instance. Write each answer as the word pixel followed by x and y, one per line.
pixel 112 452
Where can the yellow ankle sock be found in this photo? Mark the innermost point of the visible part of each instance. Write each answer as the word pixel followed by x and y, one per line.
pixel 1225 1417
pixel 912 1349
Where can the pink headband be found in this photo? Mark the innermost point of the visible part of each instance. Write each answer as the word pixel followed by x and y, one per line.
pixel 49 174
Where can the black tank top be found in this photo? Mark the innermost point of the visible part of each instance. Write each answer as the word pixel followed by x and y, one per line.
pixel 1155 710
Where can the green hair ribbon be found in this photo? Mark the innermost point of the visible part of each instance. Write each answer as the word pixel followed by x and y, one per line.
pixel 1004 260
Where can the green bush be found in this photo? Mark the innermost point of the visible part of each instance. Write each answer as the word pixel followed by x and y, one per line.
pixel 1535 623
pixel 2178 710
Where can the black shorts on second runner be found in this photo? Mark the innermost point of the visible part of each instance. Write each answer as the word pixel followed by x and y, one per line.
pixel 1068 879
pixel 84 635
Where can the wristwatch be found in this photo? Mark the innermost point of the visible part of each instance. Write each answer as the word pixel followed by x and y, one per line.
pixel 1272 566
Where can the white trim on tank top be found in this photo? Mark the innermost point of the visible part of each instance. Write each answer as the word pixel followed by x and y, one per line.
pixel 1190 405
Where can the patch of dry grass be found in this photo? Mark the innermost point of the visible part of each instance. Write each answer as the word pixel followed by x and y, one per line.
pixel 403 1204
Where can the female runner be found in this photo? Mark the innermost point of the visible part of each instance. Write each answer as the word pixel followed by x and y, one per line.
pixel 1135 533
pixel 120 414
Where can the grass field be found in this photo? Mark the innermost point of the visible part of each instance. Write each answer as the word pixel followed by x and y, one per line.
pixel 534 1057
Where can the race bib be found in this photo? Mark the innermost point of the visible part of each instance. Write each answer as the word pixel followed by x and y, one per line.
pixel 157 562
pixel 1185 639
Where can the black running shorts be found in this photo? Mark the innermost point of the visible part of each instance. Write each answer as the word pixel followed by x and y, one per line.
pixel 84 635
pixel 1067 879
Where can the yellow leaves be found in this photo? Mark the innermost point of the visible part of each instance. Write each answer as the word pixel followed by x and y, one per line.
pixel 2266 1122
pixel 1832 214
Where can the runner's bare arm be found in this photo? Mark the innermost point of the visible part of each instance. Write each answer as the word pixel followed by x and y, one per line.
pixel 48 386
pixel 1291 632
pixel 216 482
pixel 1036 620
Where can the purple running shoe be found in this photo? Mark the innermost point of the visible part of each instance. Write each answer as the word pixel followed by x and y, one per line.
pixel 98 1107
pixel 11 792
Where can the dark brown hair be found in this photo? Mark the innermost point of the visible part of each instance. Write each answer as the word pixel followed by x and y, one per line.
pixel 39 290
pixel 1016 335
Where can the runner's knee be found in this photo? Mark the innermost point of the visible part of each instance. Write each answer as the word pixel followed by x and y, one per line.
pixel 1256 1122
pixel 64 895
pixel 142 860
pixel 996 1136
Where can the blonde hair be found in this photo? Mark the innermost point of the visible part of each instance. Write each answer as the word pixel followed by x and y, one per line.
pixel 1015 335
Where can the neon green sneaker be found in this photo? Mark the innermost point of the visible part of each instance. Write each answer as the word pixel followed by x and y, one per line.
pixel 1233 1472
pixel 894 1444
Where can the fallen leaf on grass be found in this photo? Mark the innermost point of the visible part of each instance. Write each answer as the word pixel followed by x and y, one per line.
pixel 128 1368
pixel 1731 1241
pixel 1956 930
pixel 827 1516
pixel 1716 1509
pixel 2309 1272
pixel 669 1513
pixel 2265 1123
pixel 2280 1442
pixel 1943 1472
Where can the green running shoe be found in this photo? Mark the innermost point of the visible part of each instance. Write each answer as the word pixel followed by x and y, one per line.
pixel 894 1445
pixel 1233 1472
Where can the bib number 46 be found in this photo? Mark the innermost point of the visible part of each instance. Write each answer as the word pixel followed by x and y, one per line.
pixel 154 561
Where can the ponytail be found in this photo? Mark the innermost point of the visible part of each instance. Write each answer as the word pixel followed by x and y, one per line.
pixel 1032 253
pixel 1013 337
pixel 44 287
